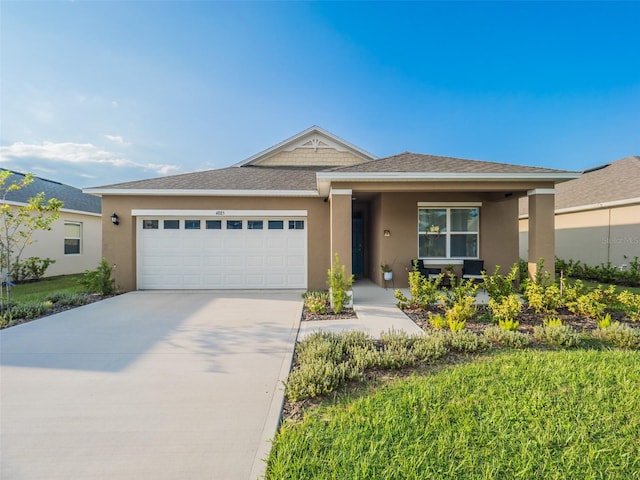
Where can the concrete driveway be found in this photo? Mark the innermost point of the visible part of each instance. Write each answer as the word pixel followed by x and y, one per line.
pixel 147 385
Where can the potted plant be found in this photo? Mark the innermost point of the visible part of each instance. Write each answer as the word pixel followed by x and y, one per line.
pixel 387 271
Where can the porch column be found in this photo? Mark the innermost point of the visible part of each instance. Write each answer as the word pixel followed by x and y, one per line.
pixel 340 218
pixel 542 235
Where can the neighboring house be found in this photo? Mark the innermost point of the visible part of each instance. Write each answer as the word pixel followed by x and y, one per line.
pixel 276 219
pixel 597 215
pixel 75 239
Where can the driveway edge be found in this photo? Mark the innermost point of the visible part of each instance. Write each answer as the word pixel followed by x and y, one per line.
pixel 272 422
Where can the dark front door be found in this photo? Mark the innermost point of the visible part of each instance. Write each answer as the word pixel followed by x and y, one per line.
pixel 357 249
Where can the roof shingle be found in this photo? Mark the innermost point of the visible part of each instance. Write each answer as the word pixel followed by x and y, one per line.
pixel 413 162
pixel 72 197
pixel 619 180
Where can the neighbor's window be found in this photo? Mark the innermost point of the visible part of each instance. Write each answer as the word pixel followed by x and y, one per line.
pixel 448 232
pixel 72 238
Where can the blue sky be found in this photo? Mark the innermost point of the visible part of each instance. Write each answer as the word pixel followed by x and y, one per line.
pixel 94 93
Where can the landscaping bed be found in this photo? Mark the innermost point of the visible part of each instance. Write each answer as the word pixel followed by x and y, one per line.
pixel 527 320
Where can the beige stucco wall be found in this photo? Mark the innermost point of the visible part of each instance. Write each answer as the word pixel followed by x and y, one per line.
pixel 398 212
pixel 301 157
pixel 119 242
pixel 594 236
pixel 51 244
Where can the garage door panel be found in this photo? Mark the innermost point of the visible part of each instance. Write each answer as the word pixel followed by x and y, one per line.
pixel 255 261
pixel 221 258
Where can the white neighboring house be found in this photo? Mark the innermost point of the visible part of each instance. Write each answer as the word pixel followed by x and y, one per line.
pixel 75 239
pixel 597 216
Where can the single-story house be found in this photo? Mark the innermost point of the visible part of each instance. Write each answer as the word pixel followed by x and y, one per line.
pixel 276 219
pixel 75 239
pixel 597 216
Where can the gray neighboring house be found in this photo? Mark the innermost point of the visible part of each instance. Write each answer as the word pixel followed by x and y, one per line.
pixel 75 239
pixel 597 216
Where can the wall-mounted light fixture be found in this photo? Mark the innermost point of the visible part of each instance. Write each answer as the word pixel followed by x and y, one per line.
pixel 387 233
pixel 114 219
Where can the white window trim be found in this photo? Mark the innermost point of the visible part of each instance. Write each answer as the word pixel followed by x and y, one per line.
pixel 218 213
pixel 448 206
pixel 79 238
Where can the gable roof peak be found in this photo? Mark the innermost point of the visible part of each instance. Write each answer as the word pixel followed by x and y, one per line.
pixel 313 138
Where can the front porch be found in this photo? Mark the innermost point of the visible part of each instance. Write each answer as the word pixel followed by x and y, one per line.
pixel 441 225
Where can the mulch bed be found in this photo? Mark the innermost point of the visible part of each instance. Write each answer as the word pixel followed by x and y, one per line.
pixel 528 319
pixel 91 298
pixel 346 314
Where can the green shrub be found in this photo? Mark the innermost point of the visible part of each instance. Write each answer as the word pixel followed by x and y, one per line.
pixel 326 346
pixel 30 310
pixel 423 291
pixel 605 321
pixel 622 336
pixel 589 304
pixel 364 357
pixel 467 341
pixel 99 280
pixel 542 299
pixel 507 338
pixel 631 304
pixel 316 301
pixel 557 335
pixel 33 268
pixel 428 348
pixel 460 293
pixel 458 314
pixel 506 310
pixel 500 286
pixel 313 378
pixel 339 284
pixel 605 272
pixel 396 350
pixel 67 299
pixel 552 322
pixel 438 321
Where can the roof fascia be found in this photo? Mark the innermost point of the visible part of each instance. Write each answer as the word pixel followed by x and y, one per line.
pixel 297 137
pixel 324 179
pixel 65 210
pixel 200 193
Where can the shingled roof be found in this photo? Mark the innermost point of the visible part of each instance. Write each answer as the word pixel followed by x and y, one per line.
pixel 414 162
pixel 72 197
pixel 230 178
pixel 612 182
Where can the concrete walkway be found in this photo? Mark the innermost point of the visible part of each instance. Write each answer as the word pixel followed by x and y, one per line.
pixel 376 310
pixel 147 385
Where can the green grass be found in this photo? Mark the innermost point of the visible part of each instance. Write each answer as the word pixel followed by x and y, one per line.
pixel 526 414
pixel 591 285
pixel 37 291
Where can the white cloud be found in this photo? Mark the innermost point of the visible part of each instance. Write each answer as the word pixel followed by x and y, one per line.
pixel 117 139
pixel 77 155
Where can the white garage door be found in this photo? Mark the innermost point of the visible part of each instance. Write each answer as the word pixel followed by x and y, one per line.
pixel 199 252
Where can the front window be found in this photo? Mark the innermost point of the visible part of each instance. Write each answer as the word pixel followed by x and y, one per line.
pixel 72 238
pixel 448 232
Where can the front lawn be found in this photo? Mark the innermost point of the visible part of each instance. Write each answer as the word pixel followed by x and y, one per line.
pixel 524 414
pixel 38 291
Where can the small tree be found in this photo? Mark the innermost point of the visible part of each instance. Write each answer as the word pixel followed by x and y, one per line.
pixel 17 223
